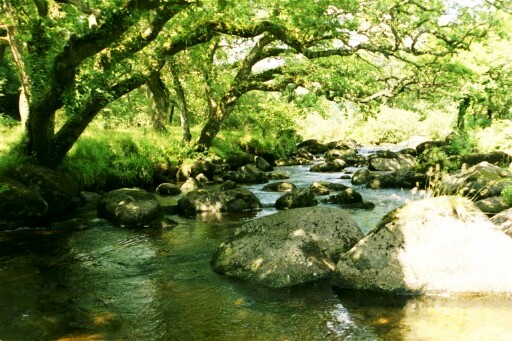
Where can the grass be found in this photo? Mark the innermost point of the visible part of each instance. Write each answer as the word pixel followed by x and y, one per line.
pixel 104 158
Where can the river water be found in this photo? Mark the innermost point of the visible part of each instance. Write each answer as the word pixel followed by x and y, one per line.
pixel 109 283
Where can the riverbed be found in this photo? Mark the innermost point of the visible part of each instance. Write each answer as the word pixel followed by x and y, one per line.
pixel 109 283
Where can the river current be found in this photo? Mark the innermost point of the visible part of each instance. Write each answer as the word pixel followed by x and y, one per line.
pixel 110 283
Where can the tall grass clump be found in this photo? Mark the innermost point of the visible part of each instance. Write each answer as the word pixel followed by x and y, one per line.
pixel 107 159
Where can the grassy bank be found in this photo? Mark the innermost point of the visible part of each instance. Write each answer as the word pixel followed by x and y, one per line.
pixel 105 158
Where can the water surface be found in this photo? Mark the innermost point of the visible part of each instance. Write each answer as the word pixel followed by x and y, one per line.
pixel 109 283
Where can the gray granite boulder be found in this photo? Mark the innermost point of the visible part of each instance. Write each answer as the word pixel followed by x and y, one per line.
pixel 288 248
pixel 248 174
pixel 442 245
pixel 390 161
pixel 131 207
pixel 280 186
pixel 303 197
pixel 405 178
pixel 481 181
pixel 232 200
pixel 58 189
pixel 504 221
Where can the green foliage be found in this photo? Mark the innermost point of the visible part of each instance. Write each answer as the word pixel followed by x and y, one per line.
pixel 253 141
pixel 506 194
pixel 460 143
pixel 498 136
pixel 389 125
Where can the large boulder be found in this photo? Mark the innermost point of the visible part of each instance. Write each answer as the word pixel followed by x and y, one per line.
pixel 167 188
pixel 288 248
pixel 280 186
pixel 504 221
pixel 190 185
pixel 248 174
pixel 131 207
pixel 196 167
pixel 19 205
pixel 336 165
pixel 424 146
pixel 302 157
pixel 390 161
pixel 481 181
pixel 405 178
pixel 361 177
pixel 232 200
pixel 324 187
pixel 433 246
pixel 349 198
pixel 58 189
pixel 302 197
pixel 496 158
pixel 313 146
pixel 263 164
pixel 492 205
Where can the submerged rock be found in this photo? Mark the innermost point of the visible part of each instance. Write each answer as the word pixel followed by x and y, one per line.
pixel 439 245
pixel 288 248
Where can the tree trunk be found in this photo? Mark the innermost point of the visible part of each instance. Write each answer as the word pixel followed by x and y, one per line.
pixel 213 125
pixel 181 102
pixel 159 95
pixel 40 129
pixel 16 52
pixel 462 109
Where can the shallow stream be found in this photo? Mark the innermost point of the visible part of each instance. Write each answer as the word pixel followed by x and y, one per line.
pixel 109 283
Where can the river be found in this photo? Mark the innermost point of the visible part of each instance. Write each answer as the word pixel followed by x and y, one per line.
pixel 109 283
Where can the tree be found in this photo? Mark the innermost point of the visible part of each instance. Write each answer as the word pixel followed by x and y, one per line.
pixel 78 56
pixel 384 53
pixel 65 64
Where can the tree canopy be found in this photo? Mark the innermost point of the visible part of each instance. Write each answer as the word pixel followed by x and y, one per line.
pixel 77 56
